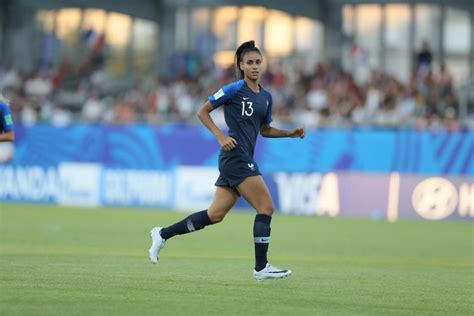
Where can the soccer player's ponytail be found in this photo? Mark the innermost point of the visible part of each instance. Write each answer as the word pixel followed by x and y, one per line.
pixel 239 55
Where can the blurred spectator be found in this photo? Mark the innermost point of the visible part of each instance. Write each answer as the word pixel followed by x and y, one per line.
pixel 317 96
pixel 38 86
pixel 60 116
pixel 444 80
pixel 406 108
pixel 450 121
pixel 424 58
pixel 28 116
pixel 125 113
pixel 9 77
pixel 93 108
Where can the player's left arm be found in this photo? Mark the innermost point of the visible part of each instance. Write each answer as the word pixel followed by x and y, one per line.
pixel 266 130
pixel 7 137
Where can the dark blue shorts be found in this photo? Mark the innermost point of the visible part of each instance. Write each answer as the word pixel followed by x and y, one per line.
pixel 234 170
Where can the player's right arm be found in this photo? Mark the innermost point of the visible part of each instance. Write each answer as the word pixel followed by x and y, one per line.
pixel 221 97
pixel 226 142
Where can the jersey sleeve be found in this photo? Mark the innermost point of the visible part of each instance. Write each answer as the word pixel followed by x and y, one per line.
pixel 225 93
pixel 268 116
pixel 7 120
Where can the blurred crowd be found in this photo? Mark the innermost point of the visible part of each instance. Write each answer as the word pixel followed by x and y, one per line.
pixel 319 96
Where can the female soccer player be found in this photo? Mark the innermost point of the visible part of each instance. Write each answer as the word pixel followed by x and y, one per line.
pixel 6 122
pixel 7 134
pixel 247 112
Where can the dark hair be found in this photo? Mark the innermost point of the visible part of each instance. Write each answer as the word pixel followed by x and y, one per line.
pixel 243 49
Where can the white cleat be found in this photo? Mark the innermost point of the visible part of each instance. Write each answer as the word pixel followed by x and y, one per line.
pixel 157 243
pixel 270 272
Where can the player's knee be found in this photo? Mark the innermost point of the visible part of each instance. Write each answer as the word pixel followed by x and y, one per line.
pixel 267 210
pixel 216 217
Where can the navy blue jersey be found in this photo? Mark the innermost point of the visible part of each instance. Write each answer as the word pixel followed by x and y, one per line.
pixel 6 121
pixel 245 111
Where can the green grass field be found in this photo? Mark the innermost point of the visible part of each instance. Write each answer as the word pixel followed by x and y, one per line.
pixel 68 261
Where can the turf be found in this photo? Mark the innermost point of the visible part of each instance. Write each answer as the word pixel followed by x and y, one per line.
pixel 68 261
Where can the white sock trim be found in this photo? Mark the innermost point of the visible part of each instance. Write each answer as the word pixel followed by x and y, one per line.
pixel 262 240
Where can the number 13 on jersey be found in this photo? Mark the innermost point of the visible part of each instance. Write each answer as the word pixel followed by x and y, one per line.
pixel 247 111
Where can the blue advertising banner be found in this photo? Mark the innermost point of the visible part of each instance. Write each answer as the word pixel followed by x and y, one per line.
pixel 145 147
pixel 372 173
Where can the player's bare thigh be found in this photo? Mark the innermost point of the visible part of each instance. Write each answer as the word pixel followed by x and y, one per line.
pixel 224 199
pixel 255 192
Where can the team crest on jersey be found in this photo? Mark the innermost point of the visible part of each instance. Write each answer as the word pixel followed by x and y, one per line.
pixel 219 94
pixel 8 119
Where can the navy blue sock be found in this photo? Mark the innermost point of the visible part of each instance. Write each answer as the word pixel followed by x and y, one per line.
pixel 261 236
pixel 193 222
